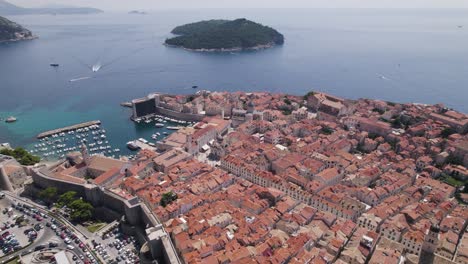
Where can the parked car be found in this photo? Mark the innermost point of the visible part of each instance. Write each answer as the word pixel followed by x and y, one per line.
pixel 40 247
pixel 53 244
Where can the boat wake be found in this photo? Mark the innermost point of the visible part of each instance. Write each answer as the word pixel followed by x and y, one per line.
pixel 80 79
pixel 384 78
pixel 96 67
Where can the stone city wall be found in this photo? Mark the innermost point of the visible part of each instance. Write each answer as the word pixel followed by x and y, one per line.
pixel 179 115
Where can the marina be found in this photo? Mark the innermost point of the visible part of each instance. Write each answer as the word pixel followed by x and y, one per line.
pixel 161 120
pixel 68 128
pixel 57 143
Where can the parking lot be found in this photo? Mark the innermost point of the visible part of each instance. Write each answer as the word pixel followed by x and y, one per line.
pixel 28 231
pixel 115 247
pixel 40 234
pixel 17 229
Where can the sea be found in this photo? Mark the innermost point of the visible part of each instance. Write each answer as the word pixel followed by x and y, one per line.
pixel 401 55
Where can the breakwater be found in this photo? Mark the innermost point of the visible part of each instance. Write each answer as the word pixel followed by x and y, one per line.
pixel 68 128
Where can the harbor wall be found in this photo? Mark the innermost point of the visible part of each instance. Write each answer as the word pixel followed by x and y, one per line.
pixel 5 183
pixel 97 196
pixel 43 181
pixel 179 115
pixel 14 179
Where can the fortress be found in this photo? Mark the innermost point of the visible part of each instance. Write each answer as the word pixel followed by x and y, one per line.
pixel 92 179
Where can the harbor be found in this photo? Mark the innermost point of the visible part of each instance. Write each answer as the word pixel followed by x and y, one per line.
pixel 61 143
pixel 67 129
pixel 163 126
pixel 113 141
pixel 55 144
pixel 161 120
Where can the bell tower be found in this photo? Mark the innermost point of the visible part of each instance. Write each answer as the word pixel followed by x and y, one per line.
pixel 189 144
pixel 250 107
pixel 431 240
pixel 85 154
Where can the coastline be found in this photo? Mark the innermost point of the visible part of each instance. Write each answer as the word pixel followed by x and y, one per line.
pixel 19 39
pixel 258 47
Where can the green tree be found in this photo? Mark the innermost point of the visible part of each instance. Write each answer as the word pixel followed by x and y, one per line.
pixel 168 198
pixel 447 132
pixel 22 156
pixel 311 93
pixel 326 130
pixel 49 194
pixel 451 159
pixel 378 111
pixel 67 198
pixel 396 123
pixel 372 135
pixel 81 210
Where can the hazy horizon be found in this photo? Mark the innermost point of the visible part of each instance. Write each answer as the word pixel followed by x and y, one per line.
pixel 120 5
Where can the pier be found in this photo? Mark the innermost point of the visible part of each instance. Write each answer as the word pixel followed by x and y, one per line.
pixel 126 104
pixel 142 145
pixel 68 128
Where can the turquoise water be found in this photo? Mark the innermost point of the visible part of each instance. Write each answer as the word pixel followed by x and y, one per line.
pixel 397 55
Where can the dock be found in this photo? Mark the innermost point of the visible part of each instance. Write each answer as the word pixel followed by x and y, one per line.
pixel 142 145
pixel 126 104
pixel 68 128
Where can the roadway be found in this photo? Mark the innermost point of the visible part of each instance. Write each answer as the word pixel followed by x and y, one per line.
pixel 48 233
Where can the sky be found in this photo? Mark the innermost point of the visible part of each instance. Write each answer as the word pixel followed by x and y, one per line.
pixel 164 4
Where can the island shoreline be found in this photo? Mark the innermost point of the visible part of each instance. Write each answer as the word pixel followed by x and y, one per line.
pixel 235 49
pixel 19 39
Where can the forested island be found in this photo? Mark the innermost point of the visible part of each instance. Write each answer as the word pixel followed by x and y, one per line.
pixel 10 31
pixel 225 35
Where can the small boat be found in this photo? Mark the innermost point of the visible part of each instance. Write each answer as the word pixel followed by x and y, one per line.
pixel 11 119
pixel 194 87
pixel 54 65
pixel 132 145
pixel 159 125
pixel 173 128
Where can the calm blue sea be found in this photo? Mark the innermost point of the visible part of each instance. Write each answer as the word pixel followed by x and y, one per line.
pixel 398 55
